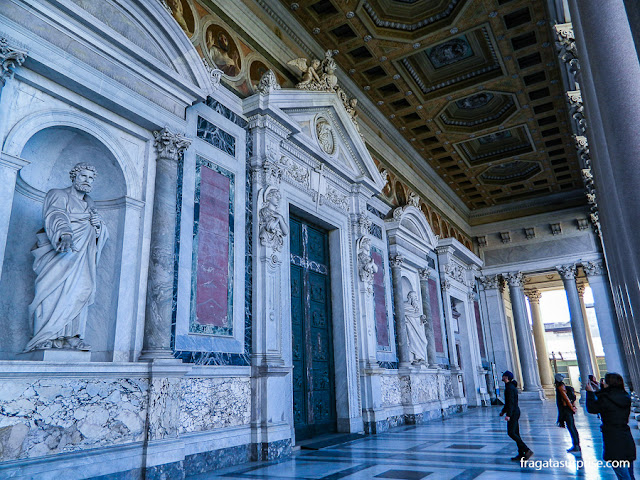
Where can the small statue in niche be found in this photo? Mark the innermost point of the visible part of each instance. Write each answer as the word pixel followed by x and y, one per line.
pixel 273 227
pixel 416 334
pixel 366 265
pixel 66 255
pixel 177 10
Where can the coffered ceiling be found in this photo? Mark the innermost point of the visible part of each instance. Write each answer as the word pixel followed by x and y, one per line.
pixel 474 85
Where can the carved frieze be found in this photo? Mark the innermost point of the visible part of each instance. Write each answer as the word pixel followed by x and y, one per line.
pixel 337 199
pixel 566 46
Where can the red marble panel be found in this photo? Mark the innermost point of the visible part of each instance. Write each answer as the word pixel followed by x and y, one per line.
pixel 213 250
pixel 476 309
pixel 380 307
pixel 435 315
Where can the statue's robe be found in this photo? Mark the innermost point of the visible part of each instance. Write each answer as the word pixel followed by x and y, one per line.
pixel 416 335
pixel 66 282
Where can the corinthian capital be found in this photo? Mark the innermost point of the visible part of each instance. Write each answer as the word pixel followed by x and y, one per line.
pixel 534 295
pixel 11 56
pixel 567 272
pixel 489 281
pixel 170 145
pixel 396 261
pixel 514 279
pixel 424 273
pixel 593 269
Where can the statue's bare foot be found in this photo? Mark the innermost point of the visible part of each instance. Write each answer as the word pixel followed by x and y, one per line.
pixel 58 343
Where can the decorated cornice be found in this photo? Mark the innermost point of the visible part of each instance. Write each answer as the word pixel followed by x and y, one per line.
pixel 12 55
pixel 215 75
pixel 170 145
pixel 566 45
pixel 576 109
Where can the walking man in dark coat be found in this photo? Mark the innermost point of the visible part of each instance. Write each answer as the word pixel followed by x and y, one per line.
pixel 512 415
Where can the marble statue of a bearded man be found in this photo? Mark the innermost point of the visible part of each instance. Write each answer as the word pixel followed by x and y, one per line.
pixel 66 254
pixel 416 334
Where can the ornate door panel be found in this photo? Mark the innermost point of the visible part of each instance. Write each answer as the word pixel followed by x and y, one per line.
pixel 313 375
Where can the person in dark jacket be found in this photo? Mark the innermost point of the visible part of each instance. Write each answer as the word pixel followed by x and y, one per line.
pixel 566 409
pixel 512 415
pixel 613 403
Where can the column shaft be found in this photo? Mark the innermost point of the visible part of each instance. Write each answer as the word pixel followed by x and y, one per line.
pixel 606 317
pixel 567 273
pixel 398 304
pixel 587 328
pixel 544 367
pixel 530 378
pixel 159 309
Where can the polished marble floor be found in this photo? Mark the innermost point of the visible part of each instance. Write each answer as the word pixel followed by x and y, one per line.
pixel 473 445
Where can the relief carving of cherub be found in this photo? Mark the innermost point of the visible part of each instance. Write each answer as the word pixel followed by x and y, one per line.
pixel 309 72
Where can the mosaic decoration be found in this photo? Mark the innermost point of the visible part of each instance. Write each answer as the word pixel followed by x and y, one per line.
pixel 376 231
pixel 375 211
pixel 213 241
pixel 379 303
pixel 217 137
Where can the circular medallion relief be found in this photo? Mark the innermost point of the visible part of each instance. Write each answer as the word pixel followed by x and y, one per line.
pixel 325 135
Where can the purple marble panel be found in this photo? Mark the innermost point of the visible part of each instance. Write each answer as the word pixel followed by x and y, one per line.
pixel 380 307
pixel 213 250
pixel 476 309
pixel 435 315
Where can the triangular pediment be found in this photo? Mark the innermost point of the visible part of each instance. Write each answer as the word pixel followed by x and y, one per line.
pixel 322 127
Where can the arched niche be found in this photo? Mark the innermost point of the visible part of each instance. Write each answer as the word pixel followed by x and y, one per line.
pixel 410 223
pixel 52 153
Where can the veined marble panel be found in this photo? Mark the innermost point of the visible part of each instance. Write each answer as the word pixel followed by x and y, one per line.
pixel 57 415
pixel 214 403
pixel 419 388
pixel 379 299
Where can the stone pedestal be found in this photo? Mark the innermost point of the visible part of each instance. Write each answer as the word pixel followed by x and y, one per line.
pixel 58 355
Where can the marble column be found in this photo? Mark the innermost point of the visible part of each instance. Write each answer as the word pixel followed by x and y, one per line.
pixel 592 351
pixel 568 274
pixel 159 309
pixel 530 377
pixel 426 309
pixel 544 367
pixel 398 304
pixel 9 168
pixel 605 315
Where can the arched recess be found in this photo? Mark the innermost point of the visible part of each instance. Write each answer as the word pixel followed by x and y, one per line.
pixel 53 142
pixel 412 219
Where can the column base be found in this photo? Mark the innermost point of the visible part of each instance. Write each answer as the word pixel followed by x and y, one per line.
pixel 156 354
pixel 549 391
pixel 531 396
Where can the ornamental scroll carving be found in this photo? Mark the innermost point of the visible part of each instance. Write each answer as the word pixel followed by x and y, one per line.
pixel 11 56
pixel 273 228
pixel 268 83
pixel 566 46
pixel 319 76
pixel 367 267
